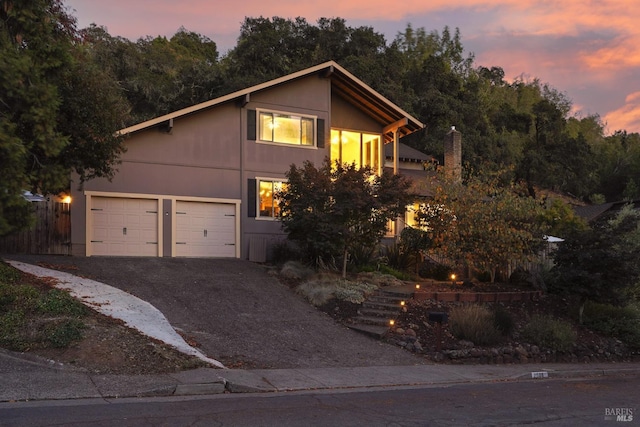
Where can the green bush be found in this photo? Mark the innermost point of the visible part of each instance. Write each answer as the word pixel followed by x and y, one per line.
pixel 503 320
pixel 61 334
pixel 622 323
pixel 355 292
pixel 8 274
pixel 432 270
pixel 400 275
pixel 12 326
pixel 474 323
pixel 316 292
pixel 547 332
pixel 59 302
pixel 398 257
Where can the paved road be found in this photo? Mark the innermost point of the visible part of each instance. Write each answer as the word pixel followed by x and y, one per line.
pixel 581 402
pixel 236 311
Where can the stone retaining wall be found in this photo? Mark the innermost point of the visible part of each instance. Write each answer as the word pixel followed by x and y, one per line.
pixel 477 296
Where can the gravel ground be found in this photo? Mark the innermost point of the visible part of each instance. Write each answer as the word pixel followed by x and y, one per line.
pixel 234 311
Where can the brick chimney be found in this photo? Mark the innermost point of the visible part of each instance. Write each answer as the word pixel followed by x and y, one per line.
pixel 453 155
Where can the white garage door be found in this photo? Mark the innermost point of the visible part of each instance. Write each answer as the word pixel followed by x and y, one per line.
pixel 205 229
pixel 126 227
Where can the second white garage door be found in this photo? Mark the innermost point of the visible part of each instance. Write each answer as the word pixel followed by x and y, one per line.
pixel 205 229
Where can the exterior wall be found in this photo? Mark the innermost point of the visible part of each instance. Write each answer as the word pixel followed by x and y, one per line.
pixel 309 96
pixel 207 155
pixel 346 117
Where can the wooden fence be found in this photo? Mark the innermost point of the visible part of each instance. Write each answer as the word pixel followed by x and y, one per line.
pixel 51 234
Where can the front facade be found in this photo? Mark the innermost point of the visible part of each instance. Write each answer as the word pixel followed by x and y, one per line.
pixel 199 182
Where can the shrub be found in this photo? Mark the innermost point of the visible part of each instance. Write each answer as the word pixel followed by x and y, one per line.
pixel 354 292
pixel 398 257
pixel 400 275
pixel 61 334
pixel 316 292
pixel 619 322
pixel 8 274
pixel 434 270
pixel 59 302
pixel 547 332
pixel 503 320
pixel 474 323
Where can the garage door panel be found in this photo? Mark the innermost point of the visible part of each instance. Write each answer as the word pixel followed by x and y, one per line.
pixel 123 226
pixel 205 229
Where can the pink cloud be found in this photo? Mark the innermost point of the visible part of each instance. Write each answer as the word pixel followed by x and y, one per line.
pixel 627 116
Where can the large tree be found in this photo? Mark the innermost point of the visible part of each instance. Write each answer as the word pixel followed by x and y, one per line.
pixel 334 209
pixel 58 112
pixel 601 264
pixel 482 224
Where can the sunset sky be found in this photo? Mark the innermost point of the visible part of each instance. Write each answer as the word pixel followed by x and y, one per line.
pixel 587 49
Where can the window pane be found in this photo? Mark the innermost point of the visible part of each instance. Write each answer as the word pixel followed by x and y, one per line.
pixel 266 127
pixel 286 129
pixel 370 155
pixel 266 198
pixel 351 148
pixel 335 146
pixel 306 137
pixel 268 204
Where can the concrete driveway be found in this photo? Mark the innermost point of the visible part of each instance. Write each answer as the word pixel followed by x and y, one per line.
pixel 236 312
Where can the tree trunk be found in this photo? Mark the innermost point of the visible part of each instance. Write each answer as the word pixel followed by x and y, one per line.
pixel 345 255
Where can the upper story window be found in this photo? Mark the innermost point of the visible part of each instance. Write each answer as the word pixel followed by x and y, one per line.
pixel 286 128
pixel 349 147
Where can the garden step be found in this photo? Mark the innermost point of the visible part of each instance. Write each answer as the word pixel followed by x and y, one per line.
pixel 373 330
pixel 371 320
pixel 367 311
pixel 389 299
pixel 382 305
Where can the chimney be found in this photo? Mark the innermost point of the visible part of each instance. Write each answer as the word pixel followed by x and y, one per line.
pixel 453 155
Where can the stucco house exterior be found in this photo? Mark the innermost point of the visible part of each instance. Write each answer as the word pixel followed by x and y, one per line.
pixel 199 182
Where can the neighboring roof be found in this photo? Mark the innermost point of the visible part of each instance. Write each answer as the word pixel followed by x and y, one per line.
pixel 349 86
pixel 407 154
pixel 592 212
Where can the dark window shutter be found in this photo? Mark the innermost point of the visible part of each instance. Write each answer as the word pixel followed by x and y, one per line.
pixel 251 197
pixel 320 124
pixel 251 125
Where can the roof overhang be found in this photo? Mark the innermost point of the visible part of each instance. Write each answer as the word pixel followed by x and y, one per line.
pixel 391 117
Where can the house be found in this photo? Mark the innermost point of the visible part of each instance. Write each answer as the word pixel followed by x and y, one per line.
pixel 199 182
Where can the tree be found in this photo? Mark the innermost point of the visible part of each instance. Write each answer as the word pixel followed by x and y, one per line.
pixel 601 264
pixel 58 113
pixel 330 211
pixel 482 224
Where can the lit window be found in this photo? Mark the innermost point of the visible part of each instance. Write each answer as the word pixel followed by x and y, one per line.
pixel 267 203
pixel 286 128
pixel 361 149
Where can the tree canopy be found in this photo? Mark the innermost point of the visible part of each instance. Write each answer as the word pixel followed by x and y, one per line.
pixel 58 111
pixel 482 224
pixel 333 210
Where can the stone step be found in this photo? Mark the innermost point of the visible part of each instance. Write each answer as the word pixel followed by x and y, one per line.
pixel 375 312
pixel 388 299
pixel 381 305
pixel 372 320
pixel 372 330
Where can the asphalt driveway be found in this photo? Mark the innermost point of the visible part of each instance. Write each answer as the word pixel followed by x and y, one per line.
pixel 235 311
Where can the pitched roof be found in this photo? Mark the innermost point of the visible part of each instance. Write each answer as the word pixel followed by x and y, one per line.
pixel 593 212
pixel 407 154
pixel 343 82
